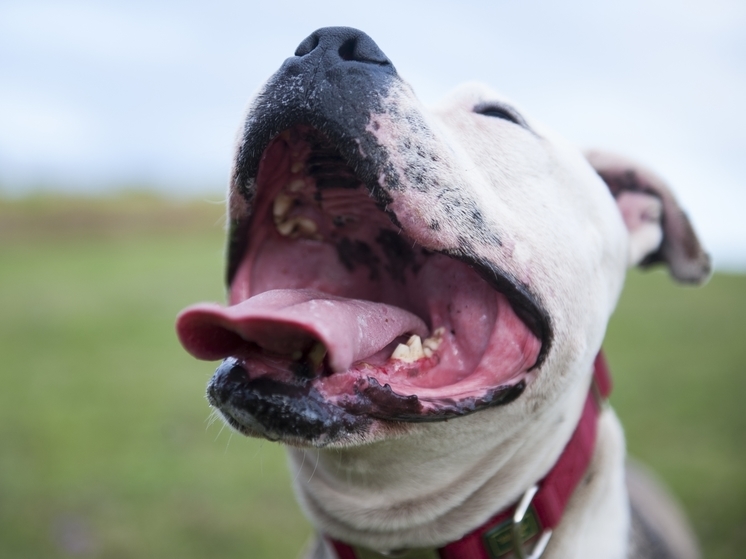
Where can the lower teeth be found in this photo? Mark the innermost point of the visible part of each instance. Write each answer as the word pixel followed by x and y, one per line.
pixel 415 348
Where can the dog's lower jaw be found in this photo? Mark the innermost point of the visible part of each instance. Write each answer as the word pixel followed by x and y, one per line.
pixel 370 496
pixel 598 510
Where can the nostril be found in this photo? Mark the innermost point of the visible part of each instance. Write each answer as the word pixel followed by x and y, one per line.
pixel 361 48
pixel 347 50
pixel 308 45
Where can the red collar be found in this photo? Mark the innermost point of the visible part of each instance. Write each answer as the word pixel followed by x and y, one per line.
pixel 533 518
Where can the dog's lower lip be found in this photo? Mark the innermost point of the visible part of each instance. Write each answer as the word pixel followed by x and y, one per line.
pixel 277 410
pixel 264 407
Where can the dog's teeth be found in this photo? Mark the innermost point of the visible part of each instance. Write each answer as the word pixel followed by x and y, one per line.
pixel 410 352
pixel 281 205
pixel 285 228
pixel 297 226
pixel 297 167
pixel 317 354
pixel 296 185
pixel 415 347
pixel 306 226
pixel 430 345
pixel 401 353
pixel 296 355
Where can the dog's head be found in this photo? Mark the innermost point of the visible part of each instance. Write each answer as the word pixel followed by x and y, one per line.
pixel 390 265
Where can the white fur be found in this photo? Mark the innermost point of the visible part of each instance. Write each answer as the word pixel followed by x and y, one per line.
pixel 563 235
pixel 560 233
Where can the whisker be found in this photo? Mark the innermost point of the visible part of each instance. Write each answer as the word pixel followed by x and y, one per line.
pixel 318 453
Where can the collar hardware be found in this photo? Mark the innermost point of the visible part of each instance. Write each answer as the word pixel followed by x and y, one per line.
pixel 516 529
pixel 502 539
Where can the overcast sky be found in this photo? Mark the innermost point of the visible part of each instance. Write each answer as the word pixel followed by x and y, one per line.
pixel 96 95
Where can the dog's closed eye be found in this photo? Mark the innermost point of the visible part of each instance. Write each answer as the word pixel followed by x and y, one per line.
pixel 498 110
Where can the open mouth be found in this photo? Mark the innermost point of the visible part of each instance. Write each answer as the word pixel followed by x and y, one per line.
pixel 332 302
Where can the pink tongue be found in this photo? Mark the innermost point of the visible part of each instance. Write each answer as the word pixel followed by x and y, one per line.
pixel 290 320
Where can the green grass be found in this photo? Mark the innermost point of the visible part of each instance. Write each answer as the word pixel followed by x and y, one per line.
pixel 105 447
pixel 679 361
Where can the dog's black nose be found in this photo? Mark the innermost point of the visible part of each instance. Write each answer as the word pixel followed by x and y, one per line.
pixel 342 43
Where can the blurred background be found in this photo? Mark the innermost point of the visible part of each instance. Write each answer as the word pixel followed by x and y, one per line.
pixel 117 122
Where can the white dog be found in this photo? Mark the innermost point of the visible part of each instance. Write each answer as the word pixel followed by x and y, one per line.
pixel 420 295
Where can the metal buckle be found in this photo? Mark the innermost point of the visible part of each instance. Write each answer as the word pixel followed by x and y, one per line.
pixel 518 515
pixel 508 537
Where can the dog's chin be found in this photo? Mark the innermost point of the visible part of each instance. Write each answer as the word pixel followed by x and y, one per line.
pixel 341 324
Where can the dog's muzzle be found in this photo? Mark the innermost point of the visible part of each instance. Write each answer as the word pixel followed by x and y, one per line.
pixel 338 315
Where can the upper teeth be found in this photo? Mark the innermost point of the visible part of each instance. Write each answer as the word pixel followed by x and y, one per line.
pixel 295 226
pixel 281 206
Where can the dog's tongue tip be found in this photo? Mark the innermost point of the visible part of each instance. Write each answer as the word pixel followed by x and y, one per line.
pixel 286 320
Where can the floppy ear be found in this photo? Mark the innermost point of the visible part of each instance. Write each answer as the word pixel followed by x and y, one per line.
pixel 659 231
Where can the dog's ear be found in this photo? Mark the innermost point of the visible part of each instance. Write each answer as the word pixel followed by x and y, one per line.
pixel 659 231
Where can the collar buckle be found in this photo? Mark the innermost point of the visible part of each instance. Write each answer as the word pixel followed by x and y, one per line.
pixel 508 538
pixel 516 528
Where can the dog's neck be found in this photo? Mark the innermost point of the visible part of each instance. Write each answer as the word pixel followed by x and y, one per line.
pixel 437 482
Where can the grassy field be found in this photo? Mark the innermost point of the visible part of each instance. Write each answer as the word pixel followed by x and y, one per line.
pixel 105 445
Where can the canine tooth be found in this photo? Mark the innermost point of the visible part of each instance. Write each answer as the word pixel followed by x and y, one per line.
pixel 282 205
pixel 296 355
pixel 297 167
pixel 427 351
